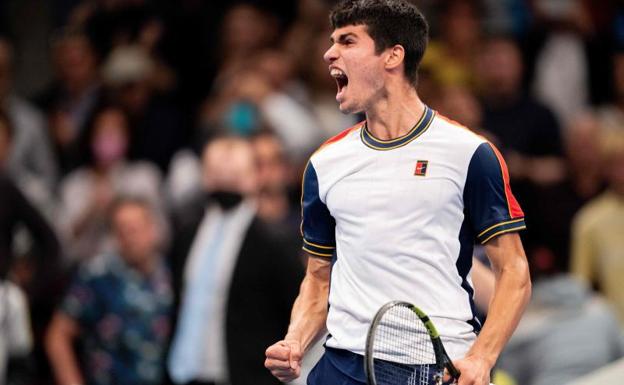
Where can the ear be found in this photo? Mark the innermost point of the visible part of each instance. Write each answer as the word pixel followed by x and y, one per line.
pixel 394 57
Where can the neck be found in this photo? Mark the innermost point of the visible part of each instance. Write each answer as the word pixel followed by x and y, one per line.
pixel 395 114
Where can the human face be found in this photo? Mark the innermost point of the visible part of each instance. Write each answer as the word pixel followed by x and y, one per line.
pixel 229 165
pixel 110 138
pixel 136 234
pixel 357 69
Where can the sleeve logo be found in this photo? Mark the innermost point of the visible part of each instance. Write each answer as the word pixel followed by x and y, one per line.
pixel 421 168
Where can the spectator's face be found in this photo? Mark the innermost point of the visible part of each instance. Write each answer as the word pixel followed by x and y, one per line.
pixel 461 105
pixel 461 25
pixel 5 144
pixel 500 68
pixel 135 233
pixel 76 63
pixel 358 70
pixel 272 167
pixel 229 165
pixel 246 29
pixel 110 138
pixel 276 66
pixel 582 142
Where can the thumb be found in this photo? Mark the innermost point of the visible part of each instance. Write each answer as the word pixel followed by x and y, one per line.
pixel 295 354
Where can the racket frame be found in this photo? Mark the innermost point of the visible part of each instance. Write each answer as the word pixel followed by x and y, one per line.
pixel 442 359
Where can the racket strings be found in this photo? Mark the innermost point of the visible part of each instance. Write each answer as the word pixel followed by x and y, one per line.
pixel 402 349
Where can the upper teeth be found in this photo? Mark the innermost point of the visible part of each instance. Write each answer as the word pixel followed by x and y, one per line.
pixel 335 72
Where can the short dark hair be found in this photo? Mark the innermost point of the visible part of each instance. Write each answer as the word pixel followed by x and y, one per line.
pixel 388 22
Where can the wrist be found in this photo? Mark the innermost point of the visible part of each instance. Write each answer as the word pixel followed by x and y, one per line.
pixel 488 360
pixel 293 336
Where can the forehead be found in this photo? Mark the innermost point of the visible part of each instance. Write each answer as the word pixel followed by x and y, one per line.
pixel 130 211
pixel 359 30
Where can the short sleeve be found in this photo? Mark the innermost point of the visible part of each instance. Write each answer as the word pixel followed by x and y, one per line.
pixel 80 301
pixel 317 224
pixel 489 204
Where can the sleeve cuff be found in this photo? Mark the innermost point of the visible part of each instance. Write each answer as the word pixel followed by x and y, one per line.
pixel 501 228
pixel 318 250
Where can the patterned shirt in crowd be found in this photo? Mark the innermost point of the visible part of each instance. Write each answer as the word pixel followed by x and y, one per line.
pixel 124 318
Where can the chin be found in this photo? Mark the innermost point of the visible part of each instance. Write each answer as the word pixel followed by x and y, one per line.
pixel 348 109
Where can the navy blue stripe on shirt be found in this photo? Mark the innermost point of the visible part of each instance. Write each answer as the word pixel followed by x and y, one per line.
pixel 486 196
pixel 464 265
pixel 317 224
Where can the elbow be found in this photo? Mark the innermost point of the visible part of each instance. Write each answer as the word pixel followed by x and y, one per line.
pixel 518 275
pixel 525 283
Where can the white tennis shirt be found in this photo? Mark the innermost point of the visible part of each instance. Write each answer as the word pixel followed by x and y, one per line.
pixel 399 219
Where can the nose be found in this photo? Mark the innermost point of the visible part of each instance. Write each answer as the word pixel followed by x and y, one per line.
pixel 331 54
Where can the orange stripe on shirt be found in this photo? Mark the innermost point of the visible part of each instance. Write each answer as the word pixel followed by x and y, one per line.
pixel 515 211
pixel 342 135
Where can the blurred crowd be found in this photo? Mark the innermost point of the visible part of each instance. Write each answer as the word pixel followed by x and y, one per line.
pixel 151 154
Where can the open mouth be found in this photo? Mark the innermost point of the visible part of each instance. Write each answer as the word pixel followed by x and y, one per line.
pixel 341 80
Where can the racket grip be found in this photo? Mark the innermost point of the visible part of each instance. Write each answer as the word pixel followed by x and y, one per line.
pixel 453 371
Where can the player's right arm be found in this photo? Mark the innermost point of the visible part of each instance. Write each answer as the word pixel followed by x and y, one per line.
pixel 309 313
pixel 307 322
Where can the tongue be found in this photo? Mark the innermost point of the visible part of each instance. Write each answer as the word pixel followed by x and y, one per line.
pixel 340 93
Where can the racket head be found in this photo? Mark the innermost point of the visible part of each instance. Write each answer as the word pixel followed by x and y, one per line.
pixel 403 347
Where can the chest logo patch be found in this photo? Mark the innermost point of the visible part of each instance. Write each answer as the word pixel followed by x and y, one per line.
pixel 421 168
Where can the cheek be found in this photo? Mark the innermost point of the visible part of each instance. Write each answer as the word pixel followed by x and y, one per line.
pixel 369 76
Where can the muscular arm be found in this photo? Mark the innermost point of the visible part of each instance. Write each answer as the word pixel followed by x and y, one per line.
pixel 59 346
pixel 307 322
pixel 511 295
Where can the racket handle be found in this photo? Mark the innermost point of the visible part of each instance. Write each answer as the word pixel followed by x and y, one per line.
pixel 453 371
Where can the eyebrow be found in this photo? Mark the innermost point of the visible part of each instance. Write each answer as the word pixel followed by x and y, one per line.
pixel 342 37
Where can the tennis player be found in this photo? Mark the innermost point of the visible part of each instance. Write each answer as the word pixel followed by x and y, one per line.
pixel 392 208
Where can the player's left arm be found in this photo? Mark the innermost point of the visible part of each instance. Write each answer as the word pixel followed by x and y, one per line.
pixel 511 295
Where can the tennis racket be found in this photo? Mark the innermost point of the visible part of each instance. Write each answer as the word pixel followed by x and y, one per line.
pixel 403 347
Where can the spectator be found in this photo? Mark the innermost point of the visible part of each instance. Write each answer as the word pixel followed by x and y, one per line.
pixel 31 162
pixel 118 307
pixel 261 95
pixel 528 135
pixel 15 211
pixel 234 285
pixel 526 130
pixel 33 267
pixel 460 104
pixel 561 65
pixel 597 241
pixel 583 153
pixel 71 100
pixel 246 30
pixel 87 193
pixel 158 130
pixel 276 187
pixel 556 204
pixel 450 58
